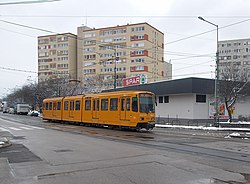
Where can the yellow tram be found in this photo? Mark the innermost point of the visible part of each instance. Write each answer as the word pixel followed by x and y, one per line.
pixel 131 109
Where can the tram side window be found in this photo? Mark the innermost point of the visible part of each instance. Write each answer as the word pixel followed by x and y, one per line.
pixel 47 106
pixel 54 105
pixel 87 105
pixel 50 106
pixel 78 105
pixel 104 104
pixel 66 104
pixel 128 104
pixel 114 104
pixel 135 104
pixel 71 105
pixel 96 105
pixel 123 104
pixel 58 105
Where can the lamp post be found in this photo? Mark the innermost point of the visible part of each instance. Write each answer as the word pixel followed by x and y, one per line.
pixel 216 71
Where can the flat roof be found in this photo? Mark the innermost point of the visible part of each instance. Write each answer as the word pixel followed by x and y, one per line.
pixel 179 86
pixel 126 25
pixel 58 34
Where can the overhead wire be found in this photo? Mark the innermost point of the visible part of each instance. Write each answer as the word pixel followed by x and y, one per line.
pixel 44 30
pixel 27 2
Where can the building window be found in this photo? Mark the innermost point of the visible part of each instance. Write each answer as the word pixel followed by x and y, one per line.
pixel 166 99
pixel 163 99
pixel 160 99
pixel 201 98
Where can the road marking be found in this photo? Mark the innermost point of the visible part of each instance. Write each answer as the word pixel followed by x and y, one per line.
pixel 13 128
pixel 39 128
pixel 26 128
pixel 4 130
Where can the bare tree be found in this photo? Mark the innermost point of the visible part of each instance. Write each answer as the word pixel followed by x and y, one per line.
pixel 234 78
pixel 92 84
pixel 34 93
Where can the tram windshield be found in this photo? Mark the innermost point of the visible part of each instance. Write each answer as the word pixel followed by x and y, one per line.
pixel 147 103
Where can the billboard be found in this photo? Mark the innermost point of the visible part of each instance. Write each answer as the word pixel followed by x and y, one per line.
pixel 131 81
pixel 223 114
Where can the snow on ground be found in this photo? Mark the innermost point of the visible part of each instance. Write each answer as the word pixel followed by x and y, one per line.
pixel 209 127
pixel 202 127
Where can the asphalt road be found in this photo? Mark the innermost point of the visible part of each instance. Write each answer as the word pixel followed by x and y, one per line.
pixel 44 152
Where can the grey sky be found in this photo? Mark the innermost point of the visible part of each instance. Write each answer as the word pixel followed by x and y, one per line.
pixel 177 19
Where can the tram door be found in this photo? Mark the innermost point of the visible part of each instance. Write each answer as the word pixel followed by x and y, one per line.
pixel 54 109
pixel 71 109
pixel 96 108
pixel 125 109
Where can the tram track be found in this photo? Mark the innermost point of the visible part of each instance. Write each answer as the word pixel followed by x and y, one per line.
pixel 158 140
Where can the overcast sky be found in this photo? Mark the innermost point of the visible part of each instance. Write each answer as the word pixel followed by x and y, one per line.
pixel 177 19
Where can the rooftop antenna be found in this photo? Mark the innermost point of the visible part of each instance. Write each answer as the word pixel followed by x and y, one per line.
pixel 86 20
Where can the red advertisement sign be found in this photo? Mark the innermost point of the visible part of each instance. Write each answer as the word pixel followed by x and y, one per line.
pixel 131 81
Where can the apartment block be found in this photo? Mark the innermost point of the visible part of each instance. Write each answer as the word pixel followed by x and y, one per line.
pixel 110 54
pixel 57 56
pixel 235 53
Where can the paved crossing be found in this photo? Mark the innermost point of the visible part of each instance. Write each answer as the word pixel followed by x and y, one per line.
pixel 19 128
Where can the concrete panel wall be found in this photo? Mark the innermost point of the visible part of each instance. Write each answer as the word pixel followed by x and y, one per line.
pixel 179 106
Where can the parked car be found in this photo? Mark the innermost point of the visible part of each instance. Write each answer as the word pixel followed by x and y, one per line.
pixel 34 113
pixel 11 110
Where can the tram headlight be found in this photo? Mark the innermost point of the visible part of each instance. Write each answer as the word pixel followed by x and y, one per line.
pixel 141 118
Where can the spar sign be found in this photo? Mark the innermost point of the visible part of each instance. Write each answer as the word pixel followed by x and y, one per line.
pixel 134 80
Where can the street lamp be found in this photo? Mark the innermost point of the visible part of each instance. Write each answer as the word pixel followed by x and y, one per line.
pixel 216 70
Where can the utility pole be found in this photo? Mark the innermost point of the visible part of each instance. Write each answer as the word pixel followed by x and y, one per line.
pixel 216 86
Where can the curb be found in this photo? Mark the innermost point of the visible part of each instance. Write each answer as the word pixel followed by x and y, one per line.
pixel 4 142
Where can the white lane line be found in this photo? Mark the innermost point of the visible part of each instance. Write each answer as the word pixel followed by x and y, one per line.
pixel 13 128
pixel 4 130
pixel 26 128
pixel 39 128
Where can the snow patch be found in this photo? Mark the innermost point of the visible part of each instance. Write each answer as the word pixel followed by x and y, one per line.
pixel 235 134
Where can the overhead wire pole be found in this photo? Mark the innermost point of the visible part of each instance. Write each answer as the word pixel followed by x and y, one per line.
pixel 216 85
pixel 115 59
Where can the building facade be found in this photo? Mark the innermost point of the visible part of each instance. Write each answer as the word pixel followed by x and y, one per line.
pixel 57 56
pixel 234 57
pixel 191 101
pixel 108 55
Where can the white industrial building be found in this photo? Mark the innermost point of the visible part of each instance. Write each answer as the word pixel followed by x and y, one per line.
pixel 190 100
